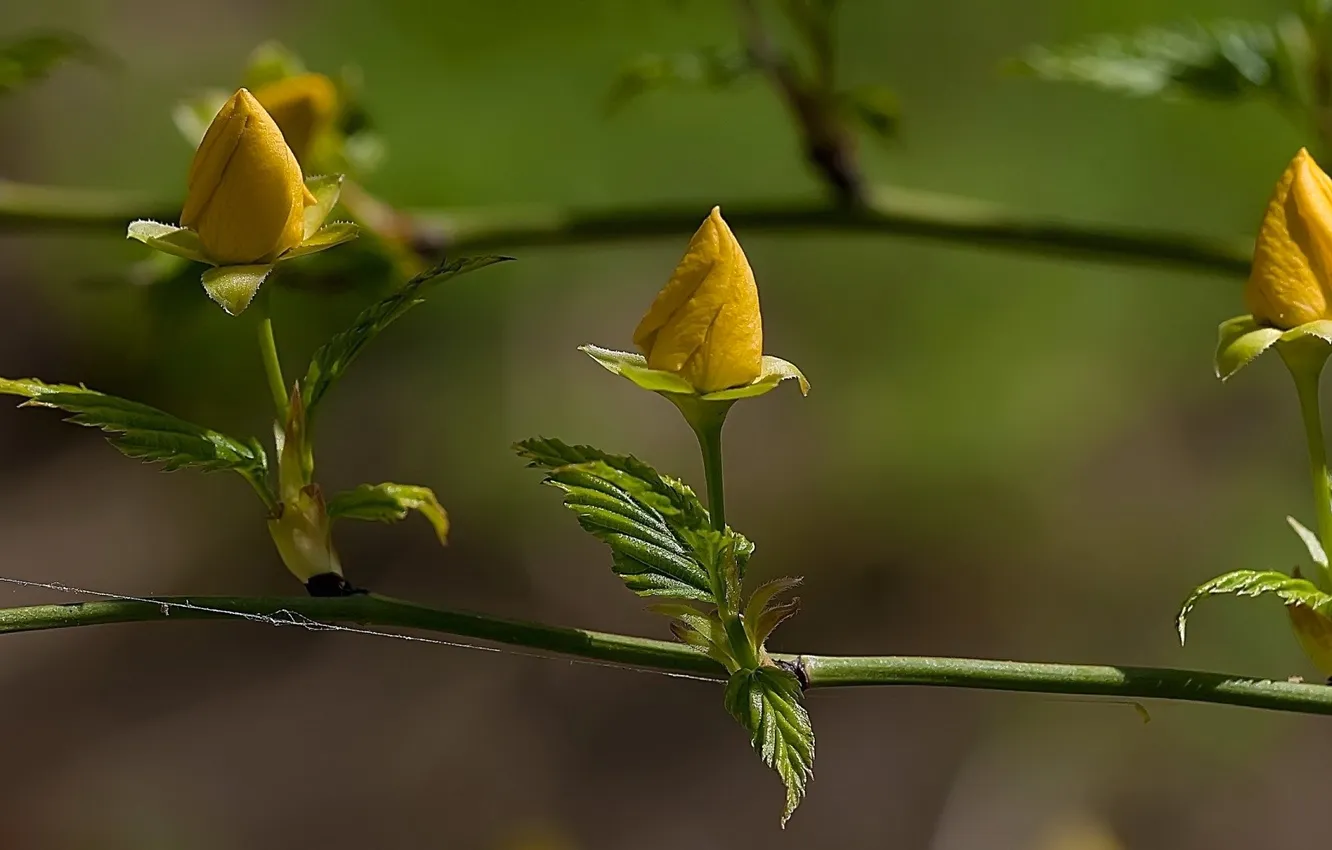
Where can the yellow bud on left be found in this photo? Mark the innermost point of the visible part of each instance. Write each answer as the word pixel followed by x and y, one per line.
pixel 705 323
pixel 303 106
pixel 1291 280
pixel 245 195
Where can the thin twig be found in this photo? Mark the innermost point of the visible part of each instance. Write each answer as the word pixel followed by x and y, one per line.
pixel 830 146
pixel 890 212
pixel 819 671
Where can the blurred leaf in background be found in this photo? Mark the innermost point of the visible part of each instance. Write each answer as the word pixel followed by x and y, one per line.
pixel 1224 60
pixel 31 57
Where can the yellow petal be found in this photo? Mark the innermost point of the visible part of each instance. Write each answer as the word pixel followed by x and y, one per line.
pixel 705 323
pixel 1291 282
pixel 246 198
pixel 304 108
pixel 1314 632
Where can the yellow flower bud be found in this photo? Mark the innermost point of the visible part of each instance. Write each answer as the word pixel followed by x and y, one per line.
pixel 1291 280
pixel 304 107
pixel 1314 632
pixel 245 195
pixel 704 324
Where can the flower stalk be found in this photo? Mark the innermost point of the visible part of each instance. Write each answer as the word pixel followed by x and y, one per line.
pixel 1306 363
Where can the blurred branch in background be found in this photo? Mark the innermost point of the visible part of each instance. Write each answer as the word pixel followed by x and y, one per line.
pixel 815 671
pixel 888 212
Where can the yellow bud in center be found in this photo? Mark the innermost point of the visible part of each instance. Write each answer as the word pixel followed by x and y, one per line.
pixel 1291 280
pixel 704 324
pixel 303 106
pixel 245 195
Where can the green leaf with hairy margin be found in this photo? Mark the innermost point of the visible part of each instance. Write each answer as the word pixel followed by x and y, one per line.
pixel 330 362
pixel 1223 60
pixel 766 701
pixel 670 504
pixel 672 498
pixel 147 433
pixel 1290 590
pixel 389 503
pixel 29 58
pixel 623 509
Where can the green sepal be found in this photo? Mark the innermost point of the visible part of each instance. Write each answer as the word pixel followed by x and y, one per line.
pixel 390 502
pixel 1291 590
pixel 169 239
pixel 766 701
pixel 234 287
pixel 1310 541
pixel 328 236
pixel 634 367
pixel 332 359
pixel 326 190
pixel 1240 340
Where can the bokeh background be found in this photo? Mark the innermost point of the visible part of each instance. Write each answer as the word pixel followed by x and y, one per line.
pixel 1004 455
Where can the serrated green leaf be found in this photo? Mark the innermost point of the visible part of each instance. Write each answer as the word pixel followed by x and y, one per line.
pixel 330 362
pixel 641 515
pixel 390 502
pixel 31 57
pixel 708 68
pixel 1290 590
pixel 147 433
pixel 234 287
pixel 1310 541
pixel 767 703
pixel 671 498
pixel 1222 60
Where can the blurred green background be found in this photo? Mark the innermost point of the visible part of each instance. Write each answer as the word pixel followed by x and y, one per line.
pixel 1004 455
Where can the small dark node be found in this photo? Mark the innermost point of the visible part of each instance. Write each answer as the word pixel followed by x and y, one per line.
pixel 332 584
pixel 797 669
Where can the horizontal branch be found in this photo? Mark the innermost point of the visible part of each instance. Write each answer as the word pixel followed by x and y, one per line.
pixel 819 671
pixel 890 212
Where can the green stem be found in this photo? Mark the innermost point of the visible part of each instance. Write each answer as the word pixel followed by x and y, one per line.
pixel 709 441
pixel 277 385
pixel 889 211
pixel 820 671
pixel 1307 371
